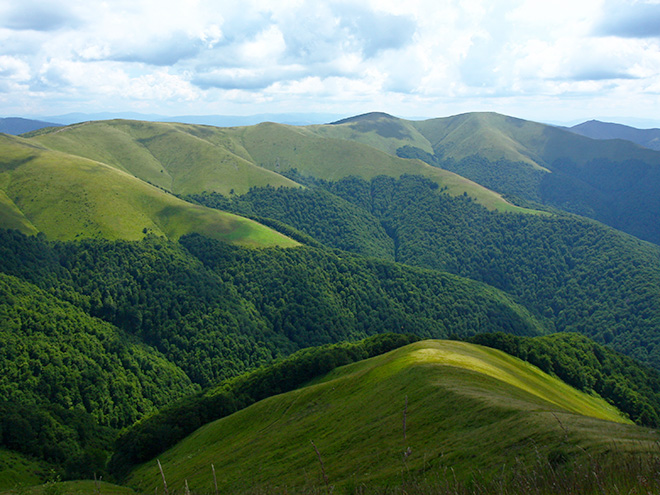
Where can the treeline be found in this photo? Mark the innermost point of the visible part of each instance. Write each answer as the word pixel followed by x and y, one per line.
pixel 113 330
pixel 316 212
pixel 171 424
pixel 573 273
pixel 634 389
pixel 621 192
pixel 216 310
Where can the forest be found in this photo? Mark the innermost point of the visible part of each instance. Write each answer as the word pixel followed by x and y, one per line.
pixel 108 336
pixel 572 273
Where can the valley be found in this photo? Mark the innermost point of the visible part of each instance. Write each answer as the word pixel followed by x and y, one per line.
pixel 174 291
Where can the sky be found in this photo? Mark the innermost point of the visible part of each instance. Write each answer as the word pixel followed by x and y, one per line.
pixel 548 61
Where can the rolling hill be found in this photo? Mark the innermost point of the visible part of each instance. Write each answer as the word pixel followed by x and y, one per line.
pixel 396 241
pixel 395 417
pixel 187 159
pixel 613 181
pixel 68 197
pixel 649 138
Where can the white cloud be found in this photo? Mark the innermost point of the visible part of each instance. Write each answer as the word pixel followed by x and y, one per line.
pixel 422 57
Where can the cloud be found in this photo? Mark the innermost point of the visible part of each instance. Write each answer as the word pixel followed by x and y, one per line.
pixel 38 16
pixel 159 51
pixel 630 20
pixel 375 31
pixel 233 78
pixel 598 74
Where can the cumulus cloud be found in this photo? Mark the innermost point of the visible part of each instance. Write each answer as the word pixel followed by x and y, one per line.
pixel 293 55
pixel 630 20
pixel 37 15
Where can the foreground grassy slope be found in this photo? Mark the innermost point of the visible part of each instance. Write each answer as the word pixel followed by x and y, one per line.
pixel 68 197
pixel 356 413
pixel 19 470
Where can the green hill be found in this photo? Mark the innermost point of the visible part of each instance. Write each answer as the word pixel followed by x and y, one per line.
pixel 394 419
pixel 179 158
pixel 613 181
pixel 67 197
pixel 188 159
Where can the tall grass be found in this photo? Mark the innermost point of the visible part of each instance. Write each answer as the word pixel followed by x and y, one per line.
pixel 614 473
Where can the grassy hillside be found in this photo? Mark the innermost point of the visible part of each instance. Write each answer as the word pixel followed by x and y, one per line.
pixel 281 148
pixel 17 470
pixel 357 412
pixel 613 181
pixel 494 136
pixel 68 197
pixel 490 135
pixel 379 130
pixel 183 159
pixel 188 159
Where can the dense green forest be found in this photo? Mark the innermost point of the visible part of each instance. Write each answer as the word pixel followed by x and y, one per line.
pixel 100 333
pixel 68 381
pixel 573 273
pixel 621 194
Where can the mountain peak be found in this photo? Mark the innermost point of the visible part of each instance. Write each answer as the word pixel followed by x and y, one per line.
pixel 365 117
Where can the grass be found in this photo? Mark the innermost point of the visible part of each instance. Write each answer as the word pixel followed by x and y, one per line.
pixel 379 131
pixel 189 159
pixel 68 197
pixel 496 136
pixel 18 470
pixel 83 487
pixel 280 147
pixel 183 159
pixel 470 412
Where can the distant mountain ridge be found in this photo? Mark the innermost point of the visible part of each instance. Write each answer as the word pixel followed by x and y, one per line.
pixel 649 138
pixel 19 125
pixel 214 120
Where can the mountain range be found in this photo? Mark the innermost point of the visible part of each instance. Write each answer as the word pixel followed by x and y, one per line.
pixel 649 138
pixel 146 264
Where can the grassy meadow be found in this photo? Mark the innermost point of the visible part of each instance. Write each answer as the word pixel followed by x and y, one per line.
pixel 68 197
pixel 187 159
pixel 432 412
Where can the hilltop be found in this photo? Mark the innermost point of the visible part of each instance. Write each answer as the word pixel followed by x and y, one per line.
pixel 595 129
pixel 613 181
pixel 395 417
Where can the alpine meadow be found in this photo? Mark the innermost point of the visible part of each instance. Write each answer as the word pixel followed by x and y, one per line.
pixel 460 305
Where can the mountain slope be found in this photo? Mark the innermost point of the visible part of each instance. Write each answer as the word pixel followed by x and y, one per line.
pixel 68 197
pixel 356 413
pixel 594 129
pixel 281 148
pixel 613 181
pixel 180 158
pixel 187 159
